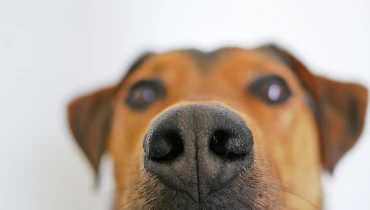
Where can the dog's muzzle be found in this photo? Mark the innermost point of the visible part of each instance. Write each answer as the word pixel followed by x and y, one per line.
pixel 197 149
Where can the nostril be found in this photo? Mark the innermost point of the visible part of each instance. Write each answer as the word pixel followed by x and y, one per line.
pixel 227 145
pixel 165 147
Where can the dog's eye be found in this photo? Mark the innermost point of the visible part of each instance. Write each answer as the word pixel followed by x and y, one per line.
pixel 271 89
pixel 144 93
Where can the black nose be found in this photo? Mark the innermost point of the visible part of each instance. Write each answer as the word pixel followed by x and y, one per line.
pixel 198 148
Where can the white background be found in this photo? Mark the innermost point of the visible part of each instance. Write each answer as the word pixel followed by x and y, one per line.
pixel 51 51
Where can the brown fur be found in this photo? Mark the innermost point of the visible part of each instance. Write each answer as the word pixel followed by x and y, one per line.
pixel 293 141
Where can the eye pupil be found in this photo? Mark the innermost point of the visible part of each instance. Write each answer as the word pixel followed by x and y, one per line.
pixel 274 92
pixel 148 95
pixel 144 93
pixel 271 89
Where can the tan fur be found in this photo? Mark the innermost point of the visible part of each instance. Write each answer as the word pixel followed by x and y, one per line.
pixel 287 137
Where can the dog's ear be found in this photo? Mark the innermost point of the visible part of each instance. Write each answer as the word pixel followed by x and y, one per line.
pixel 342 116
pixel 89 119
pixel 339 108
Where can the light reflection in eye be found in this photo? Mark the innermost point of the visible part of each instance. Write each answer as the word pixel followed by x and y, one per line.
pixel 149 95
pixel 274 92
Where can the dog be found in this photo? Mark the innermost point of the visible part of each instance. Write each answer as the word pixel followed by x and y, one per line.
pixel 229 129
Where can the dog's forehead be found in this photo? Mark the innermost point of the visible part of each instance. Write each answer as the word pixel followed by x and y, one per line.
pixel 250 63
pixel 203 60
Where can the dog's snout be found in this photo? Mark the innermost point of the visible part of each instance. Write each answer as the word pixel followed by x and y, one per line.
pixel 198 148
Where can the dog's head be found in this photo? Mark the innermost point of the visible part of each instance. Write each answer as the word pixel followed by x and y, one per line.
pixel 231 129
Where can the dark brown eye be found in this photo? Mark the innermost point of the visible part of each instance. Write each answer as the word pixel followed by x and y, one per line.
pixel 144 93
pixel 271 89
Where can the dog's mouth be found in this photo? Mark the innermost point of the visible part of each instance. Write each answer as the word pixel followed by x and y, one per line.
pixel 246 191
pixel 201 156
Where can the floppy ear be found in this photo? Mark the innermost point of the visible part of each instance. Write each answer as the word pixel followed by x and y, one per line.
pixel 339 108
pixel 90 117
pixel 342 117
pixel 89 120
